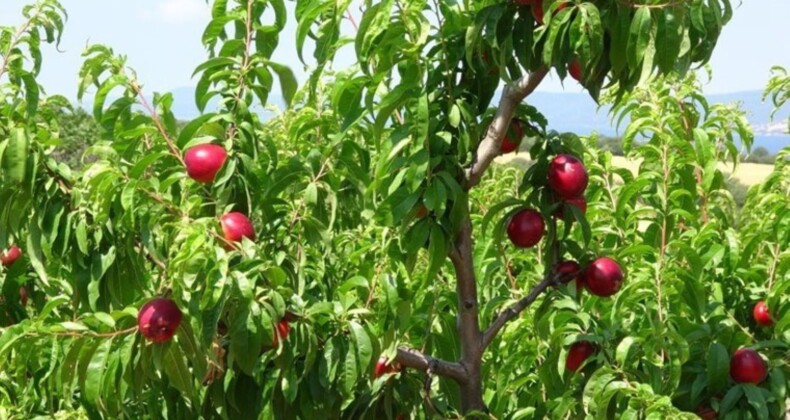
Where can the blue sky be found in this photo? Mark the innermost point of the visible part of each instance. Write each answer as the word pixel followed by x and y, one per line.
pixel 162 41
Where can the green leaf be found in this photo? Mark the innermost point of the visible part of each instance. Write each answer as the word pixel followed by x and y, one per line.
pixel 177 371
pixel 35 253
pixel 15 156
pixel 639 36
pixel 668 37
pixel 624 348
pixel 31 94
pixel 718 362
pixel 95 372
pixel 349 374
pixel 730 399
pixel 757 400
pixel 363 344
pixel 288 81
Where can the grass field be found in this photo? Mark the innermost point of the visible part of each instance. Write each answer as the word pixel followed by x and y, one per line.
pixel 747 173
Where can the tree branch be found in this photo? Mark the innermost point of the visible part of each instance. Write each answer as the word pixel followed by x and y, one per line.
pixel 416 360
pixel 551 279
pixel 489 146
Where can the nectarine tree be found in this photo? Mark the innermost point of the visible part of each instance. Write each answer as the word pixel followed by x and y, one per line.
pixel 346 257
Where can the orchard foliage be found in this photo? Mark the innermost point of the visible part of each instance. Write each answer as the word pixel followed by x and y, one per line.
pixel 379 229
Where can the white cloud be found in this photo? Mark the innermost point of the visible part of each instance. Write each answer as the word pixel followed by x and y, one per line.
pixel 177 11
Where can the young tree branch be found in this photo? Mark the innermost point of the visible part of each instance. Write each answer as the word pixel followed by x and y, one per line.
pixel 551 279
pixel 489 146
pixel 416 360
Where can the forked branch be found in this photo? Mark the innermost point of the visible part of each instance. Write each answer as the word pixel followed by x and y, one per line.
pixel 489 146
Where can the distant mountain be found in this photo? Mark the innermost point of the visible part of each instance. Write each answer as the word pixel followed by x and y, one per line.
pixel 578 113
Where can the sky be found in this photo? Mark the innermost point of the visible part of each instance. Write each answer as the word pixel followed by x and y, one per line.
pixel 161 39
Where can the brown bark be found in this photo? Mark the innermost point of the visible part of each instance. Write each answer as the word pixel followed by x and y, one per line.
pixel 468 322
pixel 468 371
pixel 489 146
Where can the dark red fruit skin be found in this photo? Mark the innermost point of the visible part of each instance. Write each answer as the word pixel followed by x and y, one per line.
pixel 23 295
pixel 204 161
pixel 762 315
pixel 526 228
pixel 746 366
pixel 578 202
pixel 487 59
pixel 512 137
pixel 159 319
pixel 575 69
pixel 578 353
pixel 283 328
pixel 382 368
pixel 603 277
pixel 236 226
pixel 10 256
pixel 421 211
pixel 537 9
pixel 706 413
pixel 567 176
pixel 567 269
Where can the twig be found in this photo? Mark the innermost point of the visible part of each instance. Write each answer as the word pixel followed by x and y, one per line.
pixel 12 44
pixel 88 333
pixel 513 311
pixel 155 117
pixel 652 6
pixel 489 146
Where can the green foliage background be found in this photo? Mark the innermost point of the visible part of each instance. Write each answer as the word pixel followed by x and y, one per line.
pixel 331 185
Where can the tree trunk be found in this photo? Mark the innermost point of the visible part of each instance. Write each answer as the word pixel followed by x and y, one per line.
pixel 468 322
pixel 472 391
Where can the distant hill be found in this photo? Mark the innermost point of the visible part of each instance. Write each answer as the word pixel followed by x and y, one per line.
pixel 578 113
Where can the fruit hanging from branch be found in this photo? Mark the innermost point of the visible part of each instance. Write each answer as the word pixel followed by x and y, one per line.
pixel 747 366
pixel 570 270
pixel 236 226
pixel 603 277
pixel 526 228
pixel 567 176
pixel 513 137
pixel 706 412
pixel 578 202
pixel 762 316
pixel 281 332
pixel 384 367
pixel 10 256
pixel 577 354
pixel 204 161
pixel 575 69
pixel 159 319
